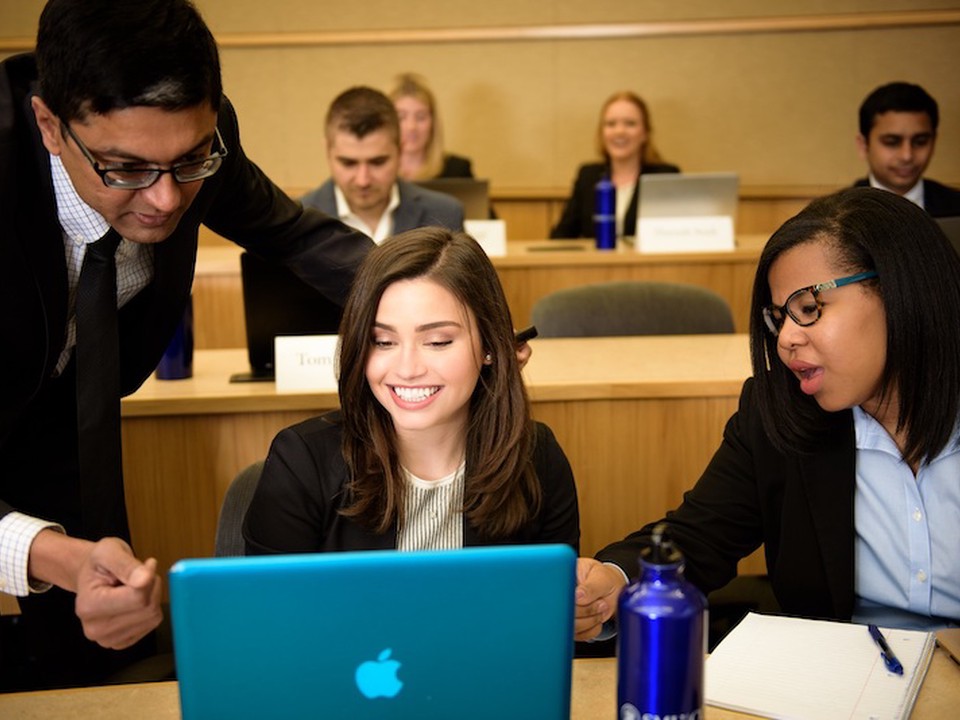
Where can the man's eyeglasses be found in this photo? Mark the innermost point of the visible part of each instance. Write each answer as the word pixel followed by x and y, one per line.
pixel 804 306
pixel 130 176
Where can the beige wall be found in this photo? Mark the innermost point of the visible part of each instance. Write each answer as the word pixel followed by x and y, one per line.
pixel 779 107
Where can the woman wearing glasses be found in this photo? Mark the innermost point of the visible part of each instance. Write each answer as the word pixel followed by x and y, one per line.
pixel 844 456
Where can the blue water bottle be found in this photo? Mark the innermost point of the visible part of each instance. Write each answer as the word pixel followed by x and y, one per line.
pixel 177 360
pixel 605 214
pixel 661 642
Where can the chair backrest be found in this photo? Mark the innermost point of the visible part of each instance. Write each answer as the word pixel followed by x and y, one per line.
pixel 632 308
pixel 229 541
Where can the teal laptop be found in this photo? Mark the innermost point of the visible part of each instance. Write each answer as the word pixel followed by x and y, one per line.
pixel 473 633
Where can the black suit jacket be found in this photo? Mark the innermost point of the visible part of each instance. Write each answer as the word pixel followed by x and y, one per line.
pixel 419 207
pixel 938 199
pixel 296 506
pixel 577 218
pixel 38 475
pixel 800 506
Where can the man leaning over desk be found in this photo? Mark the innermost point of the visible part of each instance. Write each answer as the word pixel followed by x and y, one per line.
pixel 117 123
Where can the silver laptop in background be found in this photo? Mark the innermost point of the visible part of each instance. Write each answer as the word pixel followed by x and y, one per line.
pixel 472 193
pixel 688 195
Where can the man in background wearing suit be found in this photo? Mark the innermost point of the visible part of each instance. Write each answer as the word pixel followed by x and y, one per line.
pixel 116 143
pixel 363 152
pixel 898 132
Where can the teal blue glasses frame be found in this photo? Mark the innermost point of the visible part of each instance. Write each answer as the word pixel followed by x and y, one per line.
pixel 804 306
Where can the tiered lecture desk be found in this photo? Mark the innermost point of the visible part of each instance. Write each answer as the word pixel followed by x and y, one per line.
pixel 593 697
pixel 531 213
pixel 529 270
pixel 638 417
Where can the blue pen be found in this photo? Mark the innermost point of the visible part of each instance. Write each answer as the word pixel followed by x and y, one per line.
pixel 889 659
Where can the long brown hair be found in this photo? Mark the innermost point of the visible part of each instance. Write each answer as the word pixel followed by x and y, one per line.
pixel 649 153
pixel 501 492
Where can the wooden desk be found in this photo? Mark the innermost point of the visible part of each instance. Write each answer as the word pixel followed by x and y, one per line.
pixel 533 212
pixel 593 697
pixel 528 271
pixel 638 418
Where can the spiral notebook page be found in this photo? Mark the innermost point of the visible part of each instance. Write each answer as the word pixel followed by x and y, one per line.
pixel 782 667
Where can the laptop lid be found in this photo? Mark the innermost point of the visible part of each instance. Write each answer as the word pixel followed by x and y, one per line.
pixel 473 633
pixel 688 195
pixel 473 194
pixel 277 302
pixel 951 228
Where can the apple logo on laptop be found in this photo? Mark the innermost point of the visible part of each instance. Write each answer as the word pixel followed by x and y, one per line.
pixel 378 678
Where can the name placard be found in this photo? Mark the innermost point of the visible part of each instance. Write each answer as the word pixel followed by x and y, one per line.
pixel 490 234
pixel 305 362
pixel 685 234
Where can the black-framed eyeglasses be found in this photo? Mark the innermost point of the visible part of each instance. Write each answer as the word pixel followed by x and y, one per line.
pixel 132 176
pixel 804 306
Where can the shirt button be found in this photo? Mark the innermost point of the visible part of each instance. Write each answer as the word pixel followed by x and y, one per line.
pixel 921 576
pixel 917 515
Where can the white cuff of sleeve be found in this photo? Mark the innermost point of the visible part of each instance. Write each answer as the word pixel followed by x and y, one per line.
pixel 626 578
pixel 17 532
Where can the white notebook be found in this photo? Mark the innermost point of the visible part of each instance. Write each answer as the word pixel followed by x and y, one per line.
pixel 782 667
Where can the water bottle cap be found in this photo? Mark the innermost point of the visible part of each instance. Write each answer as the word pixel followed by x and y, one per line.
pixel 659 549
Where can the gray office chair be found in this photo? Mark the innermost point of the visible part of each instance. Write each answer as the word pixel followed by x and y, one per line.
pixel 229 540
pixel 632 307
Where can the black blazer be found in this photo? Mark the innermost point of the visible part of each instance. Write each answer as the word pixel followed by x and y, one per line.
pixel 456 166
pixel 799 505
pixel 577 218
pixel 239 202
pixel 296 506
pixel 938 200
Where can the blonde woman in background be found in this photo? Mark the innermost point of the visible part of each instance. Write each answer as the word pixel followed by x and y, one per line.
pixel 421 134
pixel 624 142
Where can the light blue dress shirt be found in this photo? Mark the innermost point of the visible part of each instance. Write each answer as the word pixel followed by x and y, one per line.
pixel 907 533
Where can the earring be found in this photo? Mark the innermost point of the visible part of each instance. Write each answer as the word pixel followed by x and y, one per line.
pixel 488 358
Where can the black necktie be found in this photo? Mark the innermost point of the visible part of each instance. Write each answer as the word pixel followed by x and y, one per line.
pixel 98 391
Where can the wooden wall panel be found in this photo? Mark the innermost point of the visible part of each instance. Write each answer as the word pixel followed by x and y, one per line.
pixel 767 89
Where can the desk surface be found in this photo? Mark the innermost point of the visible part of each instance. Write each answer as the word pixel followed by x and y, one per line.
pixel 593 697
pixel 223 259
pixel 675 366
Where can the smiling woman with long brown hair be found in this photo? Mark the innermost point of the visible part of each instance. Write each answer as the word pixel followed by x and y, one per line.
pixel 434 446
